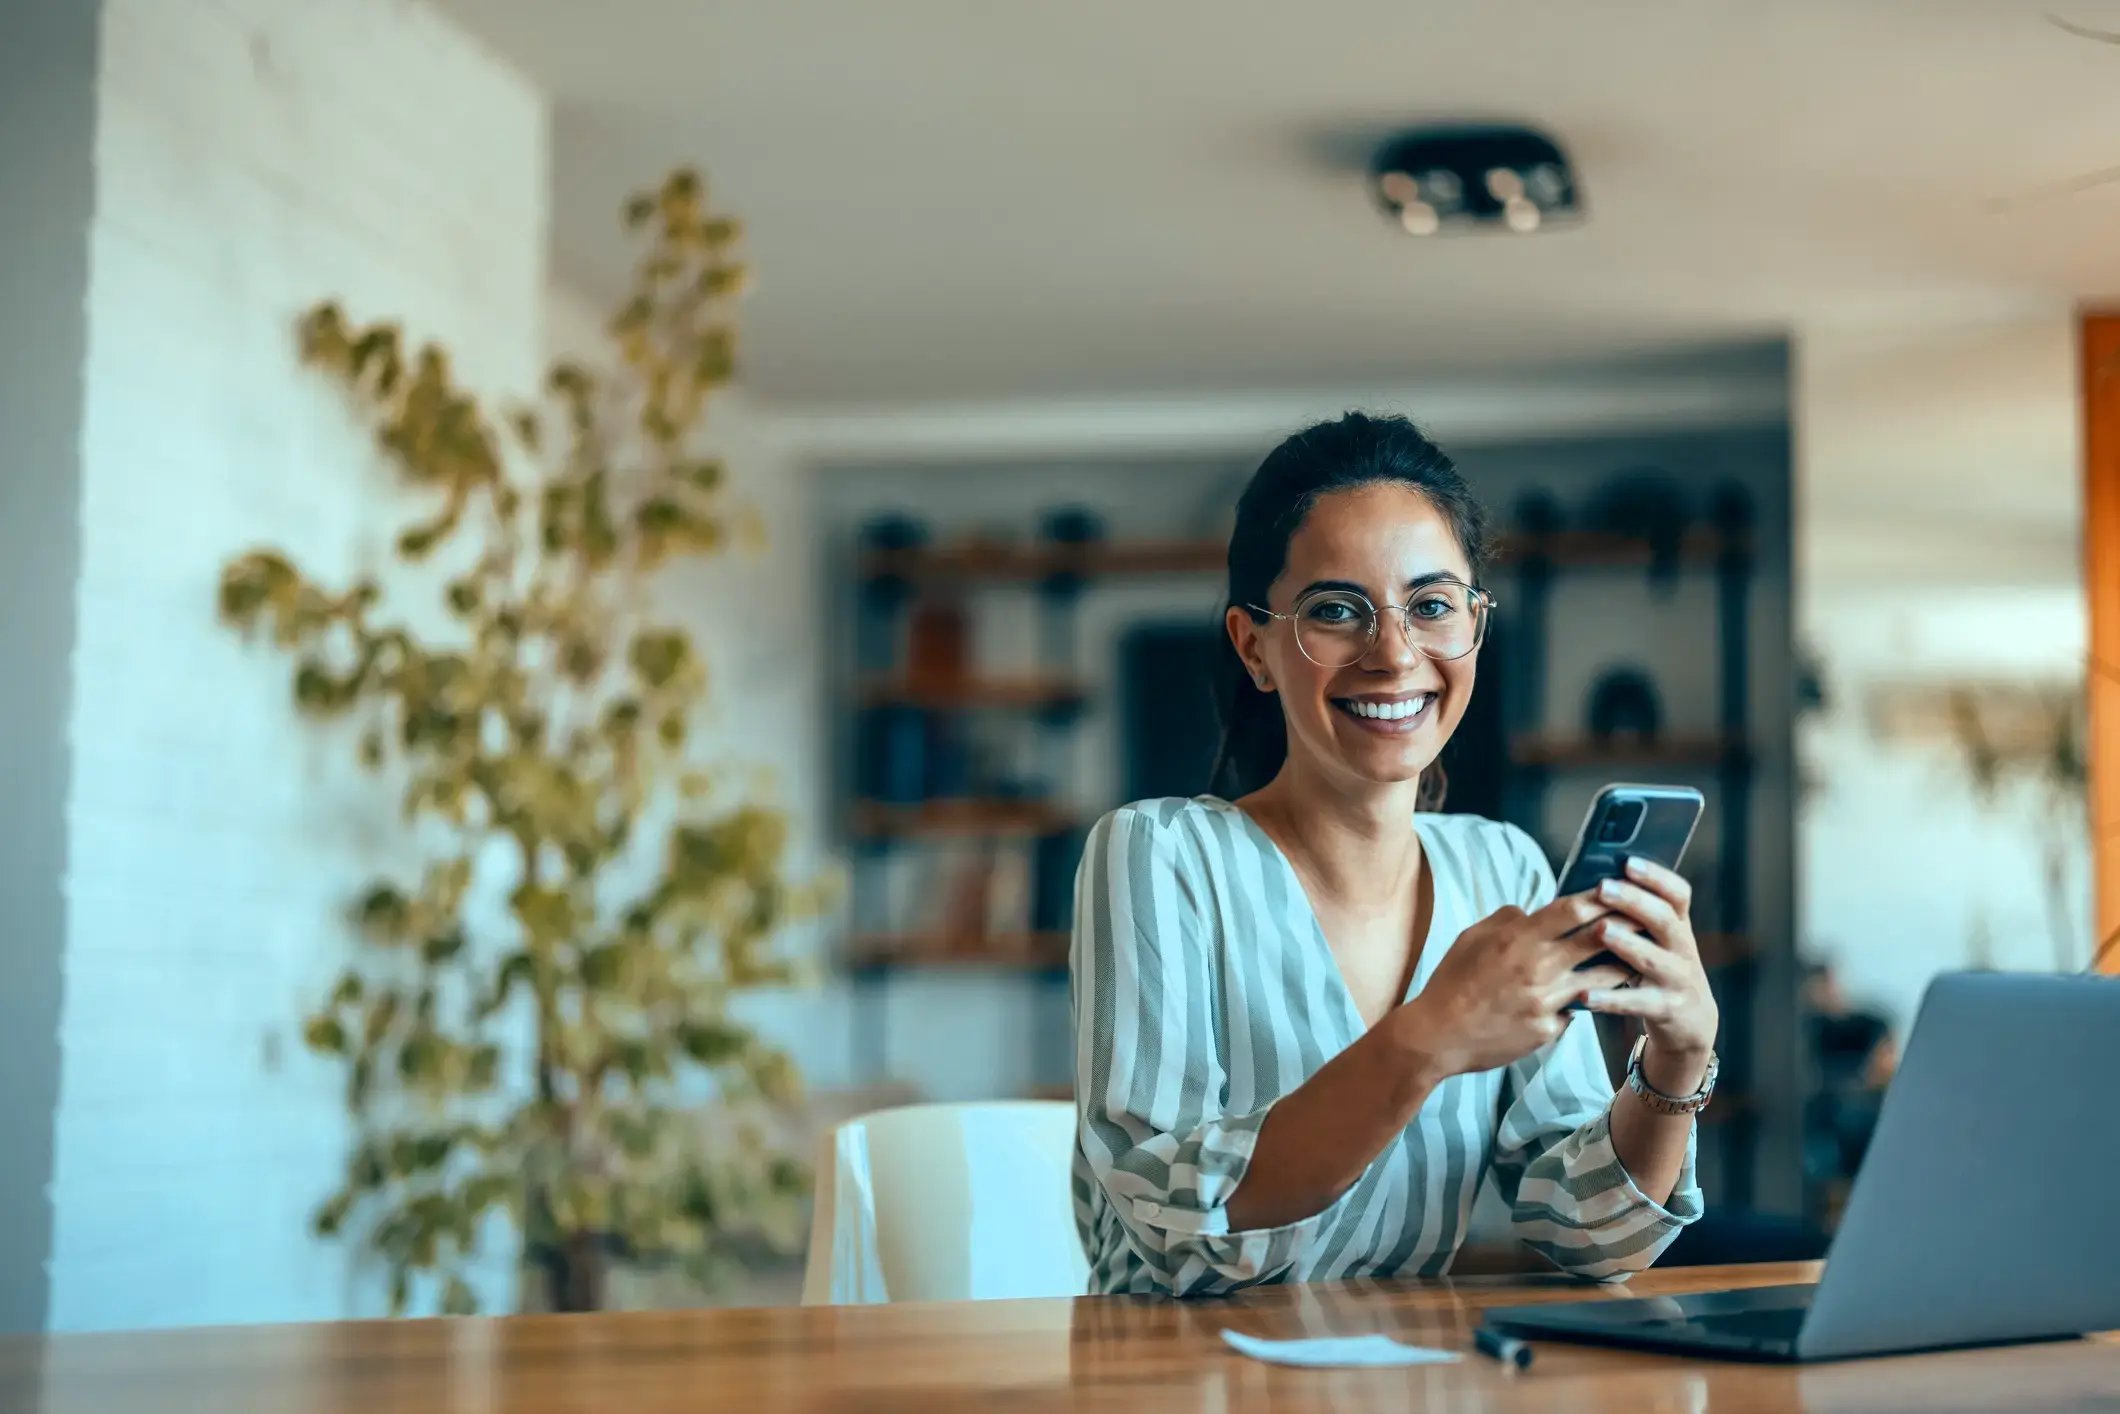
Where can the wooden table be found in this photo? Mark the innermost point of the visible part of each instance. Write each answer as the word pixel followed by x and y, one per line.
pixel 1017 1356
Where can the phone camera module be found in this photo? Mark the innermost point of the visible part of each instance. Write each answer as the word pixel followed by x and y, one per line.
pixel 1621 823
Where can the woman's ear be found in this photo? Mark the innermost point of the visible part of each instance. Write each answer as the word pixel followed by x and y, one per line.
pixel 1244 637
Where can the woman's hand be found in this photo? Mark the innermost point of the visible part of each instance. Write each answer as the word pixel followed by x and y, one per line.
pixel 1498 994
pixel 1653 935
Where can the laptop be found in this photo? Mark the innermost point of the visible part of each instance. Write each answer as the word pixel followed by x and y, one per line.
pixel 1984 1211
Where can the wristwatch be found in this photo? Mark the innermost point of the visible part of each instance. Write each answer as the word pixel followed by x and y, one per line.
pixel 1656 1099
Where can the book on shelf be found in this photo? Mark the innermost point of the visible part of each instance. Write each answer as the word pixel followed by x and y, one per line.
pixel 956 898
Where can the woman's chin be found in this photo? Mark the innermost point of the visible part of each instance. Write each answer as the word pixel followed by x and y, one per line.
pixel 1400 764
pixel 1388 752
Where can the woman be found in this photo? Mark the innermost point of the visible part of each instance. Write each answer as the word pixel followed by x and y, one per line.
pixel 1309 1020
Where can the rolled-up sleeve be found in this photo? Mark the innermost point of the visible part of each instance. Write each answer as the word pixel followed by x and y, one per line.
pixel 1570 1198
pixel 1150 1088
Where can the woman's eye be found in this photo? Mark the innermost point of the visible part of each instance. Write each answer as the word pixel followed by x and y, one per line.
pixel 1333 611
pixel 1435 607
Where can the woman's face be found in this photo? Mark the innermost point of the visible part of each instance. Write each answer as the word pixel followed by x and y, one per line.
pixel 1384 718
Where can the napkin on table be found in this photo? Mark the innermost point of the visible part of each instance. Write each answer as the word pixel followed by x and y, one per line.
pixel 1336 1350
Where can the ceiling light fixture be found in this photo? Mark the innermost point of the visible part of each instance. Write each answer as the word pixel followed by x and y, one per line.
pixel 1439 180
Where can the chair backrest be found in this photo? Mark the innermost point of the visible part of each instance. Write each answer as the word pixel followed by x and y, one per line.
pixel 946 1203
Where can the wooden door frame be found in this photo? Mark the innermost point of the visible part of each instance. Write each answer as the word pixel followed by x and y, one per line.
pixel 2098 345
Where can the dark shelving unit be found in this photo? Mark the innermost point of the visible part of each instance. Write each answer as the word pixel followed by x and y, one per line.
pixel 1724 758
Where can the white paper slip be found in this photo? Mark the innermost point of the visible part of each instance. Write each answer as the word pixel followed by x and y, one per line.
pixel 1337 1350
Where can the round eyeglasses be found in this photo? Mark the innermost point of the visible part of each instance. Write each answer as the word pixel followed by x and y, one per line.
pixel 1336 628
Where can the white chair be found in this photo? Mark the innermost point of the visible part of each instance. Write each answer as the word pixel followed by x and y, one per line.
pixel 946 1203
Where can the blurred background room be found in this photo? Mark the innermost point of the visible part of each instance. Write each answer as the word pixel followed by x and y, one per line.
pixel 458 860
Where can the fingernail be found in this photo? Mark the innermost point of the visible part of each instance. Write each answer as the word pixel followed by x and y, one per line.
pixel 1637 868
pixel 1609 889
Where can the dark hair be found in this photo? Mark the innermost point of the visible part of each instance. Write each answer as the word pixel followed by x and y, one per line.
pixel 1355 451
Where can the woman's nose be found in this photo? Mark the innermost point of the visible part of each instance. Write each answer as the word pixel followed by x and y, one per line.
pixel 1394 643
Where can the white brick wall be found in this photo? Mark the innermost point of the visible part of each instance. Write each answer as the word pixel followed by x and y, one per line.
pixel 253 156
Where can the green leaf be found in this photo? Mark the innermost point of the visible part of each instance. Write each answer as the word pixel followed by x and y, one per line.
pixel 635 1133
pixel 421 1058
pixel 484 1191
pixel 713 1042
pixel 348 990
pixel 330 1218
pixel 381 1015
pixel 483 1068
pixel 381 913
pixel 430 1151
pixel 458 1298
pixel 658 656
pixel 547 915
pixel 787 1176
pixel 443 947
pixel 515 970
pixel 360 1078
pixel 603 966
pixel 419 542
pixel 325 1035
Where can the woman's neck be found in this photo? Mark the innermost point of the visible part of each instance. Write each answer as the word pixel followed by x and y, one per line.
pixel 1360 845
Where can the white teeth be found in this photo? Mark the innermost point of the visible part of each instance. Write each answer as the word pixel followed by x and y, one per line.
pixel 1391 711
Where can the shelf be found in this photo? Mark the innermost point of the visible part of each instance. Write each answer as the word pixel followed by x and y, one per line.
pixel 1036 561
pixel 1026 692
pixel 1029 561
pixel 1589 753
pixel 872 819
pixel 1701 547
pixel 1025 952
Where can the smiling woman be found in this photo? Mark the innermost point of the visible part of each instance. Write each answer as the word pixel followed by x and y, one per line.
pixel 1311 1017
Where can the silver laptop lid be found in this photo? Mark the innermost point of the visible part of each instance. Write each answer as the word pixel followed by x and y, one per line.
pixel 1988 1205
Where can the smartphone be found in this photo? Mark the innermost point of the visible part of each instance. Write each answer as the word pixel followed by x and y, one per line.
pixel 1629 822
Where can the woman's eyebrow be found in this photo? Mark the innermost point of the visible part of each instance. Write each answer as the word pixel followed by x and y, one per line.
pixel 1350 587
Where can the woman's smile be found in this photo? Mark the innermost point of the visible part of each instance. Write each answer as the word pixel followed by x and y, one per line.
pixel 1390 713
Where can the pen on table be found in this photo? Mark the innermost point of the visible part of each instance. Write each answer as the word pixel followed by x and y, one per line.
pixel 1505 1348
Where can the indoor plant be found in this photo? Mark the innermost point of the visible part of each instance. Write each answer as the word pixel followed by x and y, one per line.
pixel 528 1027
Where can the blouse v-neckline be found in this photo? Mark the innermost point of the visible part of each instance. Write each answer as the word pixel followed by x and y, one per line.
pixel 1424 963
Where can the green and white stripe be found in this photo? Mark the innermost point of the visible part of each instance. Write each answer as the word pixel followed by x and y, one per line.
pixel 1204 991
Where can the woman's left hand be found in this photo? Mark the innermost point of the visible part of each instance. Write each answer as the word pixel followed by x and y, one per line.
pixel 1652 933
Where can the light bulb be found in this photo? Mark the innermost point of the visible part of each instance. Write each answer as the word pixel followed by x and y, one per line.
pixel 1419 219
pixel 1521 215
pixel 1399 187
pixel 1504 184
pixel 1545 185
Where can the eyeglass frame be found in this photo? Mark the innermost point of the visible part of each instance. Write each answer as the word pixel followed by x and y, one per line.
pixel 1483 603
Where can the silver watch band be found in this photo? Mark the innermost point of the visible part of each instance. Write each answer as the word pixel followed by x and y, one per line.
pixel 1656 1099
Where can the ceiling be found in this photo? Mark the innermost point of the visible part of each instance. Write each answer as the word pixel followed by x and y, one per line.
pixel 962 200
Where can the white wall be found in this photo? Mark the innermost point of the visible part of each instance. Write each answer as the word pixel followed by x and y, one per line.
pixel 253 156
pixel 1938 535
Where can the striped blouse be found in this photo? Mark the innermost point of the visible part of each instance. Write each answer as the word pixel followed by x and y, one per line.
pixel 1203 991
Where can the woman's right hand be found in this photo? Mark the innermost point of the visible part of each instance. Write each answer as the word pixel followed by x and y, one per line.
pixel 1498 994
